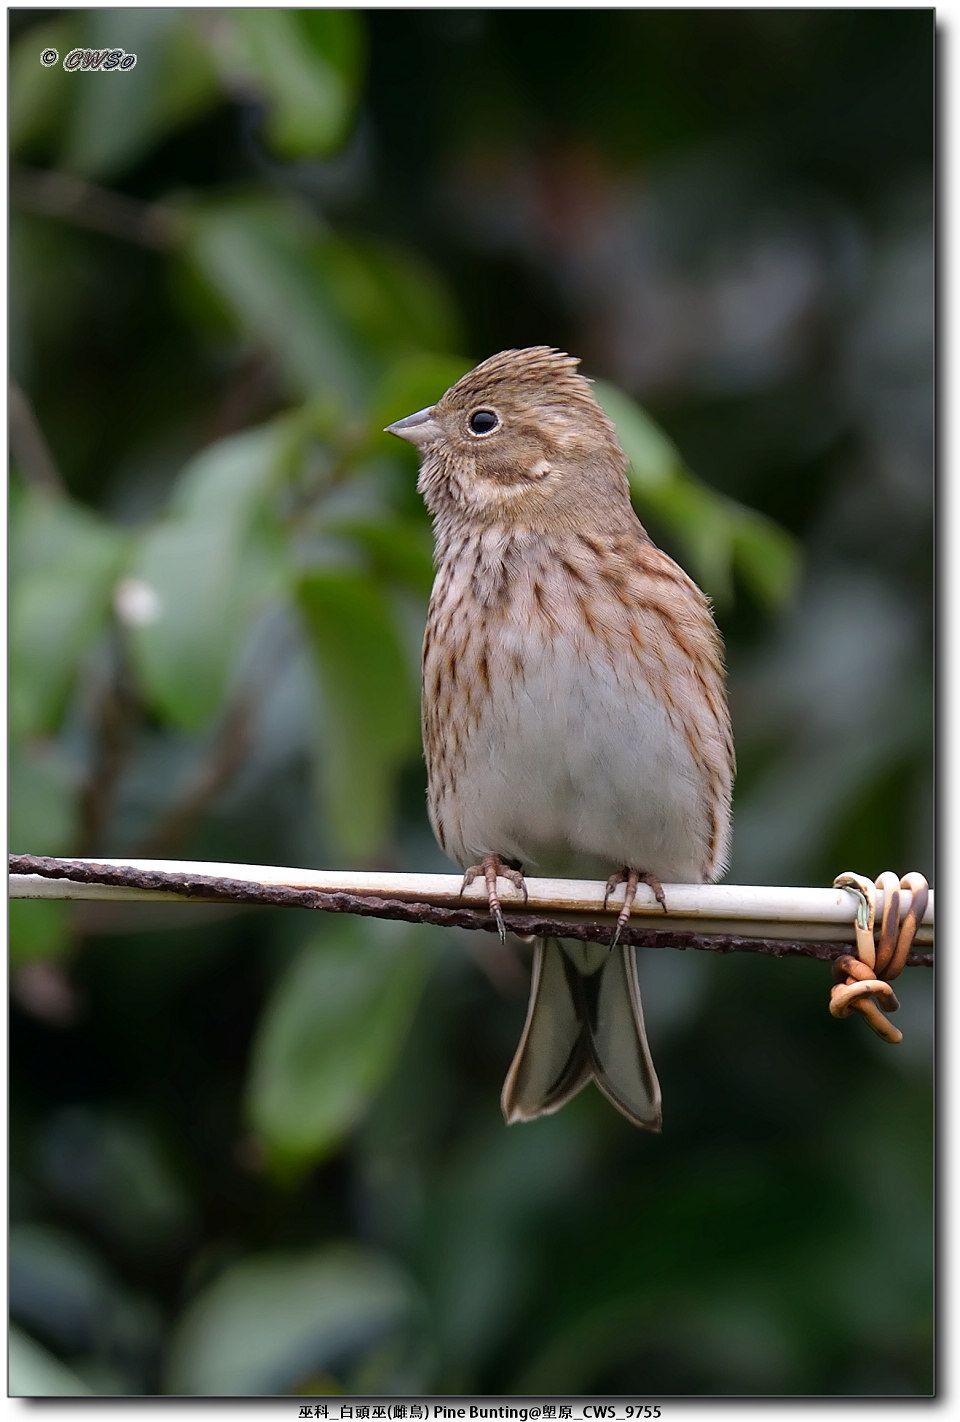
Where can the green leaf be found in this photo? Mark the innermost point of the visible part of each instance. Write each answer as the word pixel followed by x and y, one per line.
pixel 370 725
pixel 700 521
pixel 41 799
pixel 128 1188
pixel 42 808
pixel 209 566
pixel 389 299
pixel 37 94
pixel 117 117
pixel 37 928
pixel 307 64
pixel 654 459
pixel 229 479
pixel 398 549
pixel 718 535
pixel 766 556
pixel 331 1035
pixel 331 311
pixel 263 261
pixel 270 1321
pixel 412 383
pixel 61 1285
pixel 34 1372
pixel 63 567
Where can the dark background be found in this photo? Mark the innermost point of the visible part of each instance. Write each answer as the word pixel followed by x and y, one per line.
pixel 262 1152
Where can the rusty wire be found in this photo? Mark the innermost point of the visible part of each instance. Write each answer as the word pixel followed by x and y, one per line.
pixel 236 891
pixel 863 982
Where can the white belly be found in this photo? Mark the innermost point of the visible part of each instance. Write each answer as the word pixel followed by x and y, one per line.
pixel 573 771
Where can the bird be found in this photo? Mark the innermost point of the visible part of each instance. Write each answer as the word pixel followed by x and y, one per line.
pixel 574 709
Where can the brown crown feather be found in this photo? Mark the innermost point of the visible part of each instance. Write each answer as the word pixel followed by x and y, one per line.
pixel 536 366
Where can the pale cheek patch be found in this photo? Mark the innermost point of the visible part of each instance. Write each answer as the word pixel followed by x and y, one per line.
pixel 555 423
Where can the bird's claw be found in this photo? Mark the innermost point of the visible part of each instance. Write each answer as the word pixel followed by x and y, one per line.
pixel 493 868
pixel 631 878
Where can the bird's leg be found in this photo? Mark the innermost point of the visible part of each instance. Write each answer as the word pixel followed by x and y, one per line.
pixel 631 878
pixel 492 867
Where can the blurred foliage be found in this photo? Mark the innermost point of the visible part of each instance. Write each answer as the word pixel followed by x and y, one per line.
pixel 257 1153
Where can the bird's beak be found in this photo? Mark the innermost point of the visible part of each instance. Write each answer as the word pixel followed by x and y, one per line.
pixel 418 429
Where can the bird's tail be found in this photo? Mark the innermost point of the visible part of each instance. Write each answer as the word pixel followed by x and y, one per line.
pixel 584 1023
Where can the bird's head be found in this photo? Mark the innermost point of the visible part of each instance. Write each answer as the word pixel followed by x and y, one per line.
pixel 520 439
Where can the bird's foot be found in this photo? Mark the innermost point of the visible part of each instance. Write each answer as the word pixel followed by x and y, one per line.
pixel 492 867
pixel 631 878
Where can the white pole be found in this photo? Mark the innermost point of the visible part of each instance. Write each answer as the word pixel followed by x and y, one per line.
pixel 805 915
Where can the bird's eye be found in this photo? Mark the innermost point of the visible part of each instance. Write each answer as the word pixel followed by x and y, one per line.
pixel 483 421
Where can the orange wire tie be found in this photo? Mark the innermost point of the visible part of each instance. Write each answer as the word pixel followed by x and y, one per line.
pixel 863 983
